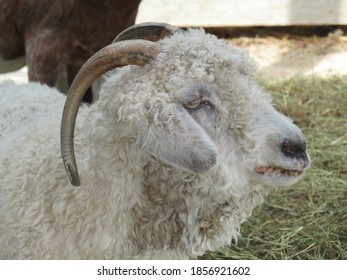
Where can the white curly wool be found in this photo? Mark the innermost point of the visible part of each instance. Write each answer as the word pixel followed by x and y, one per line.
pixel 135 148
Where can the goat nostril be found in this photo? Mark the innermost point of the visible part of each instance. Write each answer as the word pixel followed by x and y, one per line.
pixel 293 149
pixel 296 150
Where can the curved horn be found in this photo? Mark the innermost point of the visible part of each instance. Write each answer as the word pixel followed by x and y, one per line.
pixel 136 52
pixel 151 31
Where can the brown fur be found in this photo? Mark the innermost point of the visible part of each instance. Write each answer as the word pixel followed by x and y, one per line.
pixel 54 34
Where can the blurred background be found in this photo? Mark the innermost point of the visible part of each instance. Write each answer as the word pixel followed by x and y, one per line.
pixel 286 37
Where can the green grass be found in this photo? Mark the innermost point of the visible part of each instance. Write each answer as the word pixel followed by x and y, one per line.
pixel 307 220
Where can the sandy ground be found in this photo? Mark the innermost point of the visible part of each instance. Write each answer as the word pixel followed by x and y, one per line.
pixel 287 57
pixel 280 57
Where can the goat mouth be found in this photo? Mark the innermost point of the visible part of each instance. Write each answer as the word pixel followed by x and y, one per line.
pixel 271 170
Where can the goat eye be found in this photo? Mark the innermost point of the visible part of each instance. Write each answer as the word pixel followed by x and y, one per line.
pixel 193 104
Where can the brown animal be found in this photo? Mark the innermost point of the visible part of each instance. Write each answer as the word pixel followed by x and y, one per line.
pixel 58 36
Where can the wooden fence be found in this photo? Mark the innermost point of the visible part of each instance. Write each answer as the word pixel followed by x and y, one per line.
pixel 242 13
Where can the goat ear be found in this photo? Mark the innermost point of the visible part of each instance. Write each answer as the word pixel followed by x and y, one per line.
pixel 183 143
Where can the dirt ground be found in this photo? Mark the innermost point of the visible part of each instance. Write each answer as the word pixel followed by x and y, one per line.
pixel 281 56
pixel 288 56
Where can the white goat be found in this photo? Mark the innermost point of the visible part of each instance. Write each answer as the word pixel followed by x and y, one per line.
pixel 174 155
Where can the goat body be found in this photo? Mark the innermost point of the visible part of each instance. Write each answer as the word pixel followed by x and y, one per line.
pixel 173 157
